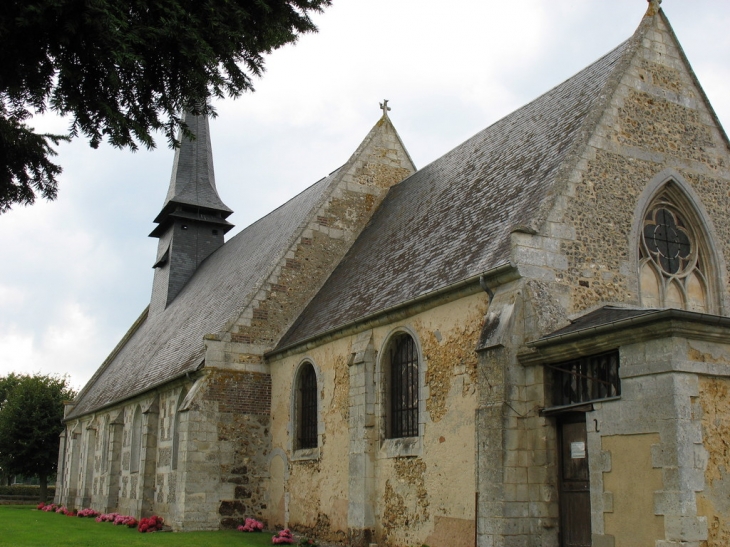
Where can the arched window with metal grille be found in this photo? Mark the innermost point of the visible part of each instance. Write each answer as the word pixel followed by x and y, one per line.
pixel 306 407
pixel 403 388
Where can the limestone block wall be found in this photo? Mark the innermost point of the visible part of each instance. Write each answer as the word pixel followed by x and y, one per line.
pixel 358 485
pixel 664 437
pixel 98 470
pixel 516 446
pixel 227 443
pixel 656 122
pixel 379 163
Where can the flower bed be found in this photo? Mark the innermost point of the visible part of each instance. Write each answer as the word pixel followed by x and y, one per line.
pixel 114 518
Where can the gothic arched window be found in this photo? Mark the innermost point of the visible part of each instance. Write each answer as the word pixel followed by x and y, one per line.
pixel 402 390
pixel 306 407
pixel 672 262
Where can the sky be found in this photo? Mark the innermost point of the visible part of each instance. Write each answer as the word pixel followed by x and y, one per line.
pixel 76 272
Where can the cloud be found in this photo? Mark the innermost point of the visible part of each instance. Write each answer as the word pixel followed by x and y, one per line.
pixel 70 345
pixel 77 272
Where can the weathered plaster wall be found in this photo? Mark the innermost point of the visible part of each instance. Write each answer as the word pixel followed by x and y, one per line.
pixel 714 502
pixel 316 483
pixel 427 497
pixel 632 481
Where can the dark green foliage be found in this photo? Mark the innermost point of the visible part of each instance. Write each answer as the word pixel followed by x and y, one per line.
pixel 123 69
pixel 24 490
pixel 30 423
pixel 7 384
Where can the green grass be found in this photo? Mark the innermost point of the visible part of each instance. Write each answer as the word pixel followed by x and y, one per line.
pixel 24 525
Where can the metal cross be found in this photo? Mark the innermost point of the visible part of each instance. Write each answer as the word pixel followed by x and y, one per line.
pixel 384 107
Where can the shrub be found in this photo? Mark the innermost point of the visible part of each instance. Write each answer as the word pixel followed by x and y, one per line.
pixel 150 524
pixel 125 520
pixel 107 517
pixel 283 538
pixel 251 525
pixel 88 513
pixel 25 490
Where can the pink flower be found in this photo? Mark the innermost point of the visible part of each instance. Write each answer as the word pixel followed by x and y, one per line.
pixel 150 524
pixel 251 525
pixel 283 538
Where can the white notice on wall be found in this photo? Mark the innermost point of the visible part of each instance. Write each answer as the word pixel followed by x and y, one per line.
pixel 578 450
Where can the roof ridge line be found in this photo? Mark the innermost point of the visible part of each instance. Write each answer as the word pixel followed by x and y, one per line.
pixel 695 80
pixel 332 185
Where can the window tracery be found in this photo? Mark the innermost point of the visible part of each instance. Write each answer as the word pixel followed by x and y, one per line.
pixel 671 259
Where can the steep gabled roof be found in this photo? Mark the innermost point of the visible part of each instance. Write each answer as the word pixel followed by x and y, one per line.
pixel 170 343
pixel 452 219
pixel 167 344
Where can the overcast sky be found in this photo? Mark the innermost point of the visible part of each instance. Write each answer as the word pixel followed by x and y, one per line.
pixel 76 272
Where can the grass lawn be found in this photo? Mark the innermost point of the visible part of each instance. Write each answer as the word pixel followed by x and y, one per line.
pixel 24 525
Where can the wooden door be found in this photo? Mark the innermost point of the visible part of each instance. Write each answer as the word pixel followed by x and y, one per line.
pixel 575 494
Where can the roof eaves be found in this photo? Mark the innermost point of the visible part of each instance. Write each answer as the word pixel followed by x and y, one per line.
pixel 500 274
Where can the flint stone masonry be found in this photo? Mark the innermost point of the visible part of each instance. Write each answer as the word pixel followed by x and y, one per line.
pixel 514 254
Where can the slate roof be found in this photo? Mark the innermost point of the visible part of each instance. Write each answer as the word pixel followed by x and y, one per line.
pixel 452 219
pixel 170 343
pixel 601 316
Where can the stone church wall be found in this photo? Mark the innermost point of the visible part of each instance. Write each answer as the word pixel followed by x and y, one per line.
pixel 656 120
pixel 359 485
pixel 106 479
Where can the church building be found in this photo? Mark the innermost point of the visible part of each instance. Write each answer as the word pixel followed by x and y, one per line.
pixel 524 343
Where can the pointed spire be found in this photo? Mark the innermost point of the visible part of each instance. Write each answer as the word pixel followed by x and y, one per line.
pixel 193 178
pixel 192 221
pixel 192 185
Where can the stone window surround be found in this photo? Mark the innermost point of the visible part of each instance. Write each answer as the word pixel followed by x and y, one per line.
pixel 685 195
pixel 179 408
pixel 106 431
pixel 406 446
pixel 302 454
pixel 89 451
pixel 136 440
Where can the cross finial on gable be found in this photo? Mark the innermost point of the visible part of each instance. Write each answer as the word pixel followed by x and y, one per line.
pixel 653 7
pixel 384 107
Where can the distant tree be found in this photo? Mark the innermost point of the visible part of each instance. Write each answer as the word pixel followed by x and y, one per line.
pixel 123 69
pixel 7 383
pixel 30 423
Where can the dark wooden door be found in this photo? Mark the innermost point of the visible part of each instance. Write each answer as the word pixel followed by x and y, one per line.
pixel 575 494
